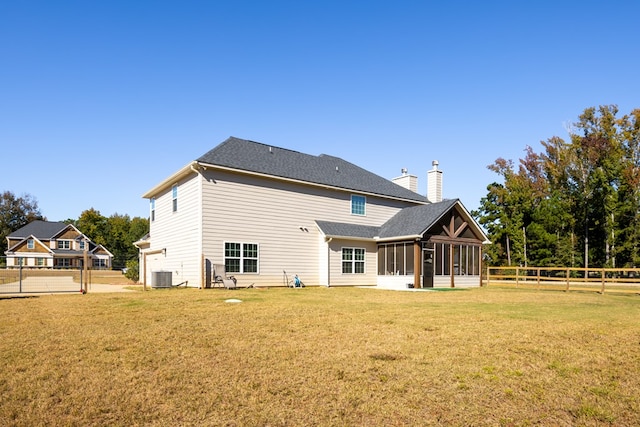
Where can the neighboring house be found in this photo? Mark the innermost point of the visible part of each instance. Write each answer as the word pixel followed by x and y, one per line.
pixel 44 244
pixel 261 211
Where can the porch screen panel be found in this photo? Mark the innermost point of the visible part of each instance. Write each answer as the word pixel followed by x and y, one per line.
pixel 463 259
pixel 381 259
pixel 399 265
pixel 390 264
pixel 446 250
pixel 408 250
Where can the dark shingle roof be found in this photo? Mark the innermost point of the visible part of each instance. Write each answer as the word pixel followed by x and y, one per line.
pixel 415 220
pixel 39 229
pixel 327 170
pixel 348 230
pixel 412 221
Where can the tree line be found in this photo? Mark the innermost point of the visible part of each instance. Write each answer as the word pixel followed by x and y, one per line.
pixel 576 203
pixel 116 232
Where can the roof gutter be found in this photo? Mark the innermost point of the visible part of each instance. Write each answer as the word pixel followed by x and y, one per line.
pixel 182 173
pixel 397 238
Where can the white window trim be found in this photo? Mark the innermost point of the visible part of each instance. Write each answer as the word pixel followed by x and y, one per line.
pixel 365 205
pixel 174 199
pixel 241 258
pixel 69 242
pixel 353 261
pixel 31 244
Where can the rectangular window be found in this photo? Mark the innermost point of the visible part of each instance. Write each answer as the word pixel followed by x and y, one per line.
pixel 358 205
pixel 174 191
pixel 40 262
pixel 81 245
pixel 30 244
pixel 152 203
pixel 353 260
pixel 63 262
pixel 100 263
pixel 64 244
pixel 241 257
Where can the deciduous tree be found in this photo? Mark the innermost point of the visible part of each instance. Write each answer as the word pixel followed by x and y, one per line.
pixel 16 212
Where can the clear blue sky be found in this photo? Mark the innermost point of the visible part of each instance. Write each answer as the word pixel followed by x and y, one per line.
pixel 100 101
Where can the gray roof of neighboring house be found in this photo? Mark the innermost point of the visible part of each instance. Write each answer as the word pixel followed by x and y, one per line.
pixel 39 229
pixel 327 170
pixel 412 221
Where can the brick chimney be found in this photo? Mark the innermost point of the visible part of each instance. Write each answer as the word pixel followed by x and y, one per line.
pixel 434 183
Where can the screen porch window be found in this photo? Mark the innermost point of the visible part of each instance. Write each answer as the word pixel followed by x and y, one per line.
pixel 395 259
pixel 353 260
pixel 174 197
pixel 241 257
pixel 358 205
pixel 466 260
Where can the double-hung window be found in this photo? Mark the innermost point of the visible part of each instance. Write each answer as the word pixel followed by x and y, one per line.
pixel 64 244
pixel 152 203
pixel 31 244
pixel 174 196
pixel 353 260
pixel 358 205
pixel 241 257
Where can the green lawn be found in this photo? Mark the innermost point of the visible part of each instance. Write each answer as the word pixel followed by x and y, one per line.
pixel 318 356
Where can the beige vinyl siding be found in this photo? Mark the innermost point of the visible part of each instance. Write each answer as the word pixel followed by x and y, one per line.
pixel 248 209
pixel 178 232
pixel 369 278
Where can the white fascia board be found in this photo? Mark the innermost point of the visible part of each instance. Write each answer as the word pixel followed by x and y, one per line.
pixel 359 239
pixel 168 182
pixel 474 223
pixel 398 238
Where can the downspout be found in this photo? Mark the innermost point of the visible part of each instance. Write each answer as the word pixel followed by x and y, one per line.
pixel 329 261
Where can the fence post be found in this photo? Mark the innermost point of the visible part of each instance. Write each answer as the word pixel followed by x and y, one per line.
pixel 517 280
pixel 602 276
pixel 20 273
pixel 538 278
pixel 568 278
pixel 488 278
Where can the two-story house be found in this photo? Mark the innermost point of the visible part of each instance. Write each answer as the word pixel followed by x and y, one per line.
pixel 45 244
pixel 261 210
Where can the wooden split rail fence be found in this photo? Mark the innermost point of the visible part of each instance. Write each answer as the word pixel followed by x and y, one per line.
pixel 566 278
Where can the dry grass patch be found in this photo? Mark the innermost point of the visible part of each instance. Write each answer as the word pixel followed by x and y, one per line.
pixel 321 356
